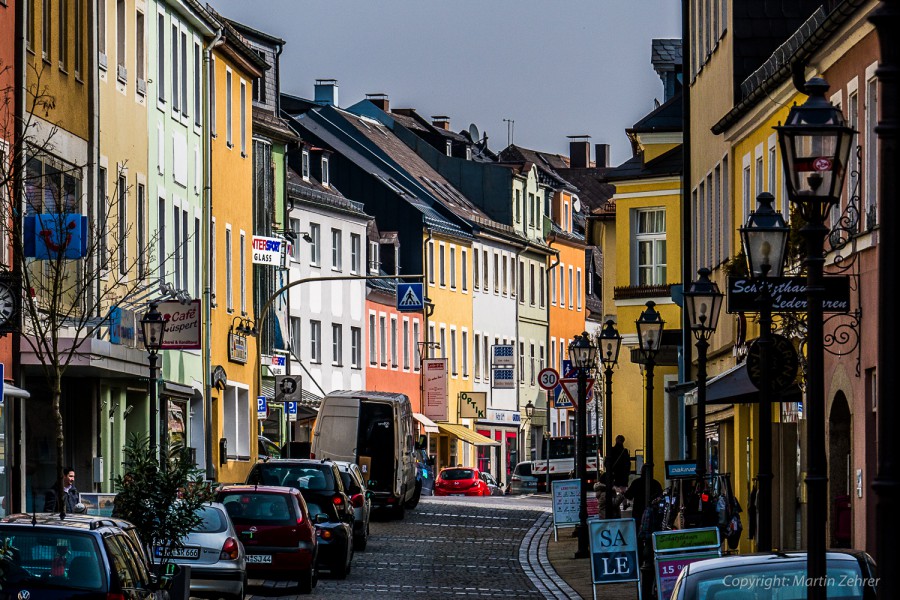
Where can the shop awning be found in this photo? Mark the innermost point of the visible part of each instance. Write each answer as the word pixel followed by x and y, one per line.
pixel 466 434
pixel 734 387
pixel 427 424
pixel 14 392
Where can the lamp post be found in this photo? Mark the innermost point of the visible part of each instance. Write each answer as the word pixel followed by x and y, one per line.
pixel 582 354
pixel 815 145
pixel 764 239
pixel 529 418
pixel 153 327
pixel 649 330
pixel 610 343
pixel 703 302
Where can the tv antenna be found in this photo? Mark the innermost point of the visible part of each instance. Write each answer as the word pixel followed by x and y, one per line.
pixel 510 130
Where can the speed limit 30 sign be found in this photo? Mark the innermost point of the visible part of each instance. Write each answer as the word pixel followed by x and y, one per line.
pixel 548 378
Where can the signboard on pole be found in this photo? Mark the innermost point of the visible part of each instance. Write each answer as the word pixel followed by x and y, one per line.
pixel 291 408
pixel 570 387
pixel 434 371
pixel 674 550
pixel 410 297
pixel 678 469
pixel 503 355
pixel 503 379
pixel 287 388
pixel 614 553
pixel 548 378
pixel 788 294
pixel 565 503
pixel 472 405
pixel 277 365
pixel 268 251
pixel 262 410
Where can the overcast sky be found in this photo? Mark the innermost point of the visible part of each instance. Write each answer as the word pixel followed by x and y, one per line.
pixel 555 67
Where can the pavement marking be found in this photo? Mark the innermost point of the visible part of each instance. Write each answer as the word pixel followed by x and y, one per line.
pixel 535 563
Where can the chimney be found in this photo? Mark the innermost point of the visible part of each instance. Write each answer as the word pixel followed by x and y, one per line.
pixel 579 151
pixel 326 92
pixel 601 155
pixel 441 122
pixel 380 100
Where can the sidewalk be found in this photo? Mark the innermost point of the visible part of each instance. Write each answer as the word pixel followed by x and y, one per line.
pixel 577 572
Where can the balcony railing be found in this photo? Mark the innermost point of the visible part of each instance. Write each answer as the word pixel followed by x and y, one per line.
pixel 634 292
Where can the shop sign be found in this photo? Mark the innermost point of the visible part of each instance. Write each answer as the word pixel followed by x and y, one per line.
pixel 788 294
pixel 614 554
pixel 237 348
pixel 434 370
pixel 182 325
pixel 499 415
pixel 472 405
pixel 277 365
pixel 268 251
pixel 503 355
pixel 503 379
pixel 122 327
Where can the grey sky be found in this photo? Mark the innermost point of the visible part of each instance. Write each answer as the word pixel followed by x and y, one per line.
pixel 556 67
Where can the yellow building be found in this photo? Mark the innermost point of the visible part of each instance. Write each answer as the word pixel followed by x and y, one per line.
pixel 233 67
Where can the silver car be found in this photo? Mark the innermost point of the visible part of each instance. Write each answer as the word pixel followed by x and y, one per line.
pixel 360 500
pixel 215 556
pixel 495 488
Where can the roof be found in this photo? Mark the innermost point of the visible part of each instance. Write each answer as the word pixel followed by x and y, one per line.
pixel 546 163
pixel 266 489
pixel 239 42
pixel 669 163
pixel 312 191
pixel 267 123
pixel 665 117
pixel 247 30
pixel 665 54
pixel 593 190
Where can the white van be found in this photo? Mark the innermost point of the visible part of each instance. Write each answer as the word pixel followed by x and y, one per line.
pixel 374 430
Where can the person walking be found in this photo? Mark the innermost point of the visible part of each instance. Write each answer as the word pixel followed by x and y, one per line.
pixel 600 491
pixel 619 463
pixel 70 494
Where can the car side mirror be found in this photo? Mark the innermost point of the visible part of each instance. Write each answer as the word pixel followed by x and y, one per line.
pixel 368 494
pixel 321 518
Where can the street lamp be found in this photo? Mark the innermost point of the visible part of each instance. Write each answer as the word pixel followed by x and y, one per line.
pixel 582 353
pixel 529 416
pixel 815 145
pixel 153 327
pixel 610 343
pixel 702 301
pixel 649 330
pixel 764 239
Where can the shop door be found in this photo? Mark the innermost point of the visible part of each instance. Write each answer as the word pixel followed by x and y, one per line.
pixel 484 454
pixel 512 452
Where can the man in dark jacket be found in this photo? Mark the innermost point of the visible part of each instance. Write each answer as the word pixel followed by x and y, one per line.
pixel 619 462
pixel 69 493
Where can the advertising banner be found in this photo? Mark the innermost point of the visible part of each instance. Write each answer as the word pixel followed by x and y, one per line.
pixel 614 554
pixel 503 355
pixel 434 370
pixel 182 325
pixel 472 405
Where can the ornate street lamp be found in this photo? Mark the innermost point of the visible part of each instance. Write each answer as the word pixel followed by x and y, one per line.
pixel 815 145
pixel 529 410
pixel 649 330
pixel 764 239
pixel 703 302
pixel 610 343
pixel 153 327
pixel 582 354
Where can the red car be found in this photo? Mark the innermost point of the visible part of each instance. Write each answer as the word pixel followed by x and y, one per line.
pixel 460 481
pixel 278 535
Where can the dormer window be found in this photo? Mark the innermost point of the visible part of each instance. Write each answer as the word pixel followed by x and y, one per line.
pixel 305 165
pixel 325 177
pixel 449 148
pixel 565 222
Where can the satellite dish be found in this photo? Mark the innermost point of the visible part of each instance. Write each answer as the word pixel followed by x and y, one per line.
pixel 473 133
pixel 576 204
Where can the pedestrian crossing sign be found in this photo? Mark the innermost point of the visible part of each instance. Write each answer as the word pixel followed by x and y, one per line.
pixel 410 297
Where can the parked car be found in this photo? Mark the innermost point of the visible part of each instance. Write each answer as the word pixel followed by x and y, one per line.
pixel 775 575
pixel 424 471
pixel 319 480
pixel 522 481
pixel 460 481
pixel 277 533
pixel 494 488
pixel 360 500
pixel 217 560
pixel 84 559
pixel 267 449
pixel 374 430
pixel 335 539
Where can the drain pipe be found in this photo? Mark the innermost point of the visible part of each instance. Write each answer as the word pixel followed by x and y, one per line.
pixel 207 277
pixel 550 240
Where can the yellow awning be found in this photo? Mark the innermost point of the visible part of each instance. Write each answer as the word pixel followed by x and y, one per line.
pixel 466 434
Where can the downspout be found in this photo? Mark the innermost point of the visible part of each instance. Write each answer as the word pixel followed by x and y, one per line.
pixel 686 218
pixel 93 164
pixel 516 345
pixel 550 240
pixel 425 313
pixel 207 276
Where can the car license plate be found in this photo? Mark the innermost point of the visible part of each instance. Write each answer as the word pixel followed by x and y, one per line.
pixel 457 494
pixel 186 553
pixel 259 558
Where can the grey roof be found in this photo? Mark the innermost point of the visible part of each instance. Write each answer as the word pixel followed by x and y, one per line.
pixel 665 117
pixel 669 163
pixel 665 55
pixel 313 192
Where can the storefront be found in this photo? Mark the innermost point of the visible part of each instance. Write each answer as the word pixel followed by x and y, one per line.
pixel 502 426
pixel 447 444
pixel 7 438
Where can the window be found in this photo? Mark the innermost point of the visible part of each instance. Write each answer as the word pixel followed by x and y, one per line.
pixel 214 261
pixel 747 192
pixel 243 118
pixel 139 59
pixel 477 363
pixel 198 95
pixel 228 108
pixel 45 29
pixel 120 40
pixel 443 342
pixel 336 249
pixel 531 210
pixel 64 33
pixel 259 84
pixel 571 288
pixel 521 362
pixel 512 274
pixel 184 74
pixel 553 353
pixel 532 286
pixel 79 36
pixel 465 353
pixel 242 257
pixel 373 356
pixel 476 282
pixel 505 276
pixel 326 177
pixel 122 210
pixel 449 148
pixel 484 272
pixel 355 347
pixel 531 361
pixel 465 270
pixel 176 92
pixel 453 267
pixel 161 228
pixel 486 363
pixel 337 332
pixel 578 289
pixel 453 370
pixel 496 273
pixel 197 257
pixel 102 204
pixel 855 167
pixel 418 358
pixel 29 27
pixel 229 277
pixel 355 247
pixel 772 187
pixel 406 344
pixel 871 154
pixel 315 232
pixel 394 362
pixel 521 282
pixel 212 95
pixel 315 341
pixel 431 263
pixel 161 57
pixel 184 250
pixel 296 334
pixel 553 286
pixel 565 223
pixel 541 292
pixel 141 229
pixel 236 413
pixel 518 206
pixel 305 165
pixel 650 240
pixel 382 337
pixel 441 265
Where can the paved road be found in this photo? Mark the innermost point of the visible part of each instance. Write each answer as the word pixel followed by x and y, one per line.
pixel 461 547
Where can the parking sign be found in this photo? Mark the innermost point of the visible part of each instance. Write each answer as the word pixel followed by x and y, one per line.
pixel 262 411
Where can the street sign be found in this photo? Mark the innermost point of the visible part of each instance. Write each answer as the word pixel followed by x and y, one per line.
pixel 548 378
pixel 570 387
pixel 291 411
pixel 262 410
pixel 503 379
pixel 410 297
pixel 788 294
pixel 503 355
pixel 287 387
pixel 783 364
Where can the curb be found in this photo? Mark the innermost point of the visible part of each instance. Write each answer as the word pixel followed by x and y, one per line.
pixel 536 565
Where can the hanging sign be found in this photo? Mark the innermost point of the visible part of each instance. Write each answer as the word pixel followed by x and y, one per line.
pixel 237 348
pixel 262 410
pixel 267 251
pixel 788 294
pixel 182 325
pixel 434 371
pixel 472 405
pixel 503 379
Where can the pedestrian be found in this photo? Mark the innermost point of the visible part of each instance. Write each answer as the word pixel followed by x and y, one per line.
pixel 619 462
pixel 600 491
pixel 70 494
pixel 635 493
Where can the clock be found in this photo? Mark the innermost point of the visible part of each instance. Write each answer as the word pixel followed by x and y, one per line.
pixel 8 306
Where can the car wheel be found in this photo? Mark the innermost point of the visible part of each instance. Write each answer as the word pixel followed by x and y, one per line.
pixel 360 540
pixel 342 571
pixel 308 580
pixel 400 512
pixel 414 501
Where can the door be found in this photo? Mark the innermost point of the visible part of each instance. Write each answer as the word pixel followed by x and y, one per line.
pixel 336 429
pixel 512 453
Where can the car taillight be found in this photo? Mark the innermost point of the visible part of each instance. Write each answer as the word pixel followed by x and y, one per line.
pixel 312 454
pixel 357 501
pixel 111 596
pixel 391 500
pixel 230 550
pixel 516 478
pixel 337 500
pixel 325 534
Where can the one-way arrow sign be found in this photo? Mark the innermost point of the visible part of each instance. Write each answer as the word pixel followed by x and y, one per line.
pixel 410 297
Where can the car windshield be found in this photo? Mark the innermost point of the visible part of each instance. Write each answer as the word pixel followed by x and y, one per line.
pixel 257 507
pixel 350 484
pixel 773 581
pixel 53 559
pixel 453 474
pixel 213 521
pixel 523 469
pixel 310 476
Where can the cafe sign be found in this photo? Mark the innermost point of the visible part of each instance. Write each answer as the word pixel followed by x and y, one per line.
pixel 237 348
pixel 788 294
